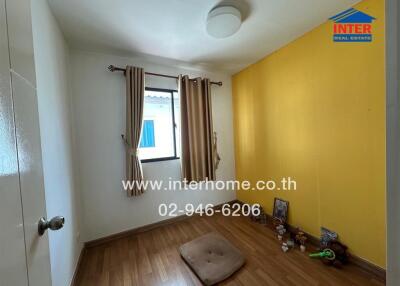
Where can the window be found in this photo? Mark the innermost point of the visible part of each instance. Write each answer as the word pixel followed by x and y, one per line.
pixel 161 125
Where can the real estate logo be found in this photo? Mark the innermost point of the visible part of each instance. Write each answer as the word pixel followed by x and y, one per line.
pixel 352 26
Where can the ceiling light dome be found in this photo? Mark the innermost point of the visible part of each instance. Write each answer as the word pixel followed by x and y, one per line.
pixel 223 21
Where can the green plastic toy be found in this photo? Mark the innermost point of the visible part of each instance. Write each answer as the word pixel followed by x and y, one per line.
pixel 328 254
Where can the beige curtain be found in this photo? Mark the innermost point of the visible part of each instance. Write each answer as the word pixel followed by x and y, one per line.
pixel 198 154
pixel 134 120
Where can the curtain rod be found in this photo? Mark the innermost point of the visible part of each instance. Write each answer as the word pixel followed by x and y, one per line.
pixel 114 68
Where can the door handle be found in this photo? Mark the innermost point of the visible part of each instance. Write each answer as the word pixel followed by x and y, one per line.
pixel 55 223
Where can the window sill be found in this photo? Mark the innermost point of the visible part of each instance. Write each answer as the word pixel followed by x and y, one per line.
pixel 159 159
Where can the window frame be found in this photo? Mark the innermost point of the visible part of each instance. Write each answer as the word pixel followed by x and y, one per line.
pixel 174 126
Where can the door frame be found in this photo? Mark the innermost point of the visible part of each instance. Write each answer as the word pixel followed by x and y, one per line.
pixel 392 142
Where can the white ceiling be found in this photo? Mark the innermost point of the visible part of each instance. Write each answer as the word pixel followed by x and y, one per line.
pixel 175 29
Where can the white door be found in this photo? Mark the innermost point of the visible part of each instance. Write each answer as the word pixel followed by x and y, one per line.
pixel 24 254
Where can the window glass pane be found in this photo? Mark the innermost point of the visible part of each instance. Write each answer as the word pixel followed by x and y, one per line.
pixel 177 113
pixel 147 139
pixel 157 139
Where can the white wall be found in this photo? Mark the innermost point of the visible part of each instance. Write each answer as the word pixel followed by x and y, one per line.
pixel 51 61
pixel 99 114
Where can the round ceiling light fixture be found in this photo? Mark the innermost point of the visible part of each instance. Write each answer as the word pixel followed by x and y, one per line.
pixel 223 21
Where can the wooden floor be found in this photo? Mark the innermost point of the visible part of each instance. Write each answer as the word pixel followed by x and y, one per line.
pixel 152 258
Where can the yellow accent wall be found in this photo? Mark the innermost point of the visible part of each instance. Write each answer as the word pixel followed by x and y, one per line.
pixel 315 111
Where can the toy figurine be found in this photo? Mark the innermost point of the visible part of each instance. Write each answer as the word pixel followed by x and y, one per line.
pixel 290 243
pixel 285 247
pixel 301 239
pixel 281 231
